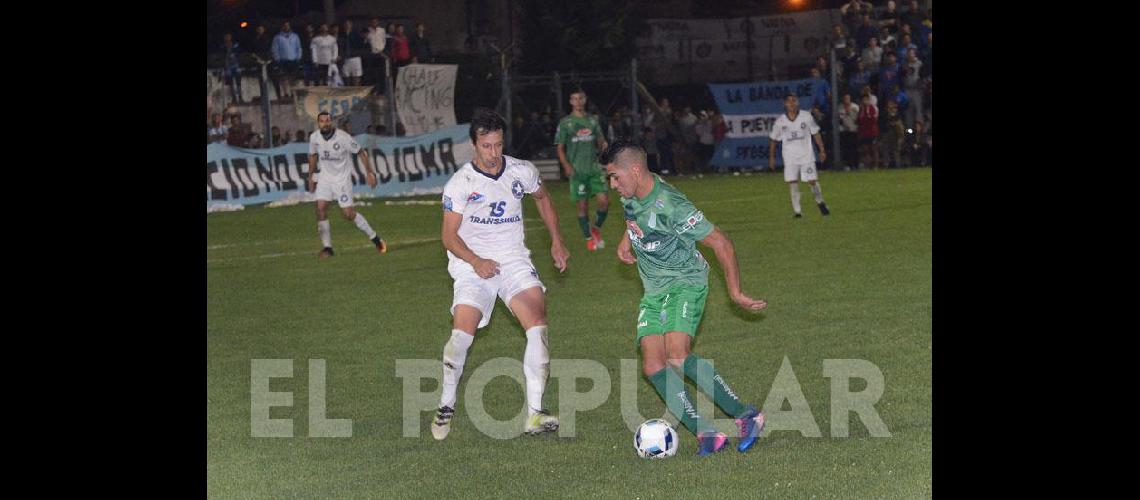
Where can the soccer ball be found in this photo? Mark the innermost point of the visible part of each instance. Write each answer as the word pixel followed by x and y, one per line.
pixel 655 439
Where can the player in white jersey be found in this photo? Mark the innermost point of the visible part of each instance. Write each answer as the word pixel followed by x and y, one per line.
pixel 329 147
pixel 795 131
pixel 487 257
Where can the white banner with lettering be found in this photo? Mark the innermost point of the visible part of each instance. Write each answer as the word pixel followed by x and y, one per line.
pixel 702 50
pixel 425 97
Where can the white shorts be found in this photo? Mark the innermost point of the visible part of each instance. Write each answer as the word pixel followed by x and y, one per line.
pixel 352 67
pixel 469 289
pixel 341 192
pixel 800 171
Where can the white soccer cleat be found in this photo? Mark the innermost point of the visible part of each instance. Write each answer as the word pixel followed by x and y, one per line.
pixel 541 422
pixel 442 424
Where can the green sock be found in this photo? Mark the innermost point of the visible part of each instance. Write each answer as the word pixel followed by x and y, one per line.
pixel 601 218
pixel 584 222
pixel 705 376
pixel 678 400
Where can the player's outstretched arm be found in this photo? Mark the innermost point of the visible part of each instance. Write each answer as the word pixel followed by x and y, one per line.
pixel 545 206
pixel 485 268
pixel 726 255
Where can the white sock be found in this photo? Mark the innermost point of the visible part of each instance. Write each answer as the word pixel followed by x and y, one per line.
pixel 536 367
pixel 362 225
pixel 817 192
pixel 454 355
pixel 325 232
pixel 795 187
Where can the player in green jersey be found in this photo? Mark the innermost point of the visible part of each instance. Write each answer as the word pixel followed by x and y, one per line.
pixel 662 230
pixel 579 138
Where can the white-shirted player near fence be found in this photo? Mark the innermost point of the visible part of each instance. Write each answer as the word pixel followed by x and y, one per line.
pixel 487 257
pixel 796 130
pixel 329 148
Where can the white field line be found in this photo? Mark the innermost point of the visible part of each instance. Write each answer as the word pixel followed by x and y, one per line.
pixel 394 243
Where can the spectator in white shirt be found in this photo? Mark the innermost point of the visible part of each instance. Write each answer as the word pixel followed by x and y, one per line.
pixel 849 133
pixel 324 52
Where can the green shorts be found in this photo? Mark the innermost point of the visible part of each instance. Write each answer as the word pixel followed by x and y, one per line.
pixel 585 186
pixel 677 309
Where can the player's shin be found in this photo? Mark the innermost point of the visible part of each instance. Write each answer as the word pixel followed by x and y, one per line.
pixel 705 376
pixel 325 232
pixel 795 191
pixel 601 214
pixel 454 355
pixel 584 224
pixel 362 224
pixel 815 190
pixel 671 388
pixel 536 367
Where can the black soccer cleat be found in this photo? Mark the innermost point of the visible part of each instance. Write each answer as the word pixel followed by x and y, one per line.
pixel 325 253
pixel 381 245
pixel 823 209
pixel 797 215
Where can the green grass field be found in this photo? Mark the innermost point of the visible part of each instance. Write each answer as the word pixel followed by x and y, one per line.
pixel 854 286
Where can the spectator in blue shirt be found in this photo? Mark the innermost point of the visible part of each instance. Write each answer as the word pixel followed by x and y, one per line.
pixel 859 78
pixel 905 45
pixel 287 55
pixel 821 94
pixel 889 75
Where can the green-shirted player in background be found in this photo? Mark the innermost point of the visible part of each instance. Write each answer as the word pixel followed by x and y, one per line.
pixel 662 230
pixel 579 138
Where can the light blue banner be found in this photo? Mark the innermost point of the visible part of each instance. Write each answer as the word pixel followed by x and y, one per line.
pixel 749 109
pixel 403 166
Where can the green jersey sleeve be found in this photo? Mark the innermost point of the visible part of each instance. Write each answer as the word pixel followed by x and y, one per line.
pixel 688 222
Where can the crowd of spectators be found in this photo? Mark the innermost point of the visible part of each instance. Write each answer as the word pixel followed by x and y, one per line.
pixel 227 127
pixel 885 80
pixel 321 54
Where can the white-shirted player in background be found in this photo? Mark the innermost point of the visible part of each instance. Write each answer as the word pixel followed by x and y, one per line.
pixel 330 147
pixel 795 129
pixel 487 257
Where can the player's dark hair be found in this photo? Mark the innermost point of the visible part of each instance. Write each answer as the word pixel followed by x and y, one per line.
pixel 485 121
pixel 323 113
pixel 618 147
pixel 788 96
pixel 577 90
